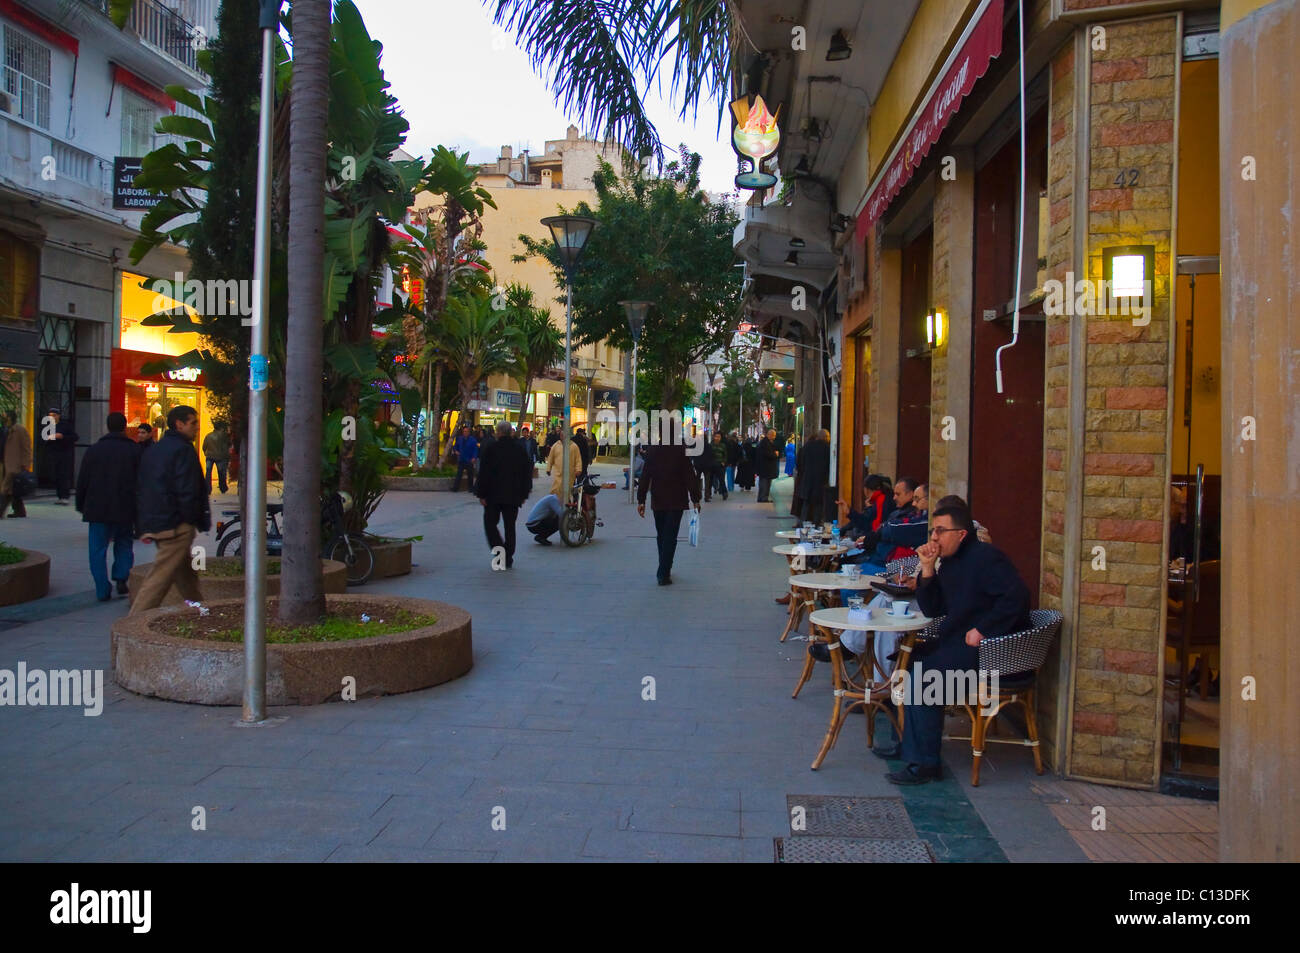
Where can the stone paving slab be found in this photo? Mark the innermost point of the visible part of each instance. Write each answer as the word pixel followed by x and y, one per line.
pixel 550 724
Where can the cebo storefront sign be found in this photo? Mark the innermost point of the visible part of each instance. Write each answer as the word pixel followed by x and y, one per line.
pixel 190 374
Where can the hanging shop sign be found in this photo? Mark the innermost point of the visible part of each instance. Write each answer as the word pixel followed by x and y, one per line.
pixel 981 44
pixel 509 399
pixel 125 194
pixel 755 136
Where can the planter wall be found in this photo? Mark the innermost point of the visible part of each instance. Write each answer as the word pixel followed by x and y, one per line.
pixel 392 558
pixel 148 662
pixel 232 587
pixel 25 581
pixel 425 484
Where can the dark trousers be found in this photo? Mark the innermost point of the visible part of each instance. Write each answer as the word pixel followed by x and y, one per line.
pixel 63 467
pixel 764 489
pixel 667 523
pixel 221 473
pixel 123 540
pixel 923 724
pixel 464 466
pixel 20 508
pixel 492 512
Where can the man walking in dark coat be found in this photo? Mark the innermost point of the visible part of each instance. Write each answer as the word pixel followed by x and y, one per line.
pixel 981 596
pixel 505 478
pixel 61 445
pixel 171 507
pixel 669 479
pixel 106 500
pixel 767 466
pixel 813 476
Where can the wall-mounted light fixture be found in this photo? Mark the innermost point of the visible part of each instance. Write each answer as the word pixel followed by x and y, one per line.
pixel 839 48
pixel 797 242
pixel 1129 271
pixel 934 330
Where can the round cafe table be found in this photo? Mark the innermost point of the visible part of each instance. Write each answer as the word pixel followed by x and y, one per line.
pixel 852 692
pixel 805 557
pixel 819 590
pixel 794 534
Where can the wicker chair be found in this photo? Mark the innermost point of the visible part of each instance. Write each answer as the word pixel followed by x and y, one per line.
pixel 1020 654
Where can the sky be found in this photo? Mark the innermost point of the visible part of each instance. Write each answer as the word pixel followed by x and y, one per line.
pixel 462 82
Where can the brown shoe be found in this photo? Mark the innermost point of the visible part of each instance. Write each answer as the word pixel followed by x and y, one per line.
pixel 784 600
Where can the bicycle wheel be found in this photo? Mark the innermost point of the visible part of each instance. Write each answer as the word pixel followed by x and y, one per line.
pixel 232 544
pixel 573 527
pixel 356 554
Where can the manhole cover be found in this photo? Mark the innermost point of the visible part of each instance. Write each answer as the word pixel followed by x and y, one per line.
pixel 850 850
pixel 835 816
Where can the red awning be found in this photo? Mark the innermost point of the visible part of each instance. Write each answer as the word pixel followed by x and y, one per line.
pixel 143 87
pixel 43 28
pixel 982 45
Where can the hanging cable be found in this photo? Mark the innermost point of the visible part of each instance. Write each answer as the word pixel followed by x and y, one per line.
pixel 1020 227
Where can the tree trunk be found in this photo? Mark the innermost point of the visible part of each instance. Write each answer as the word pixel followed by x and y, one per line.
pixel 523 400
pixel 302 593
pixel 435 433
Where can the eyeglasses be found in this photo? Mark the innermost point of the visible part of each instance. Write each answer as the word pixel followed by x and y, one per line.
pixel 940 530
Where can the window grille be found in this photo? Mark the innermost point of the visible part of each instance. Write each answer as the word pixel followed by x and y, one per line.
pixel 27 76
pixel 138 118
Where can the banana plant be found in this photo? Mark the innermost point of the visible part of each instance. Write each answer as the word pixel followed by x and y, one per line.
pixel 542 344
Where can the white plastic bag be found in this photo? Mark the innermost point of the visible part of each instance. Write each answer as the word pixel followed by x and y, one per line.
pixel 695 528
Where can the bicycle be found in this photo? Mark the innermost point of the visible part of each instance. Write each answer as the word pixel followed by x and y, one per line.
pixel 351 549
pixel 578 522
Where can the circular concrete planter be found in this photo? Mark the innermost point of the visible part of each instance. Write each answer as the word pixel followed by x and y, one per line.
pixel 148 662
pixel 420 484
pixel 213 587
pixel 392 556
pixel 25 581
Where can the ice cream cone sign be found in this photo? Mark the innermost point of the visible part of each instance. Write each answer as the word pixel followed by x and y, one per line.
pixel 756 134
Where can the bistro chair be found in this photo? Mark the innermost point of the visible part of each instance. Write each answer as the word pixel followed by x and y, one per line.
pixel 1021 655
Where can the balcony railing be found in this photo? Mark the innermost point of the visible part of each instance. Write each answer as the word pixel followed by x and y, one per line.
pixel 162 28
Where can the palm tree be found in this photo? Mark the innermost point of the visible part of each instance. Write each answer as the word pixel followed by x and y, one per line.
pixel 302 595
pixel 596 51
pixel 475 340
pixel 542 344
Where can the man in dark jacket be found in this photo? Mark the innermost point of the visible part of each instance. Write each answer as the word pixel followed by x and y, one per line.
pixel 767 465
pixel 106 490
pixel 529 444
pixel 669 479
pixel 61 447
pixel 171 507
pixel 505 479
pixel 813 475
pixel 981 596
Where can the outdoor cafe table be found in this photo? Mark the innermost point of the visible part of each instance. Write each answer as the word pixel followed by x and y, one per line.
pixel 794 534
pixel 848 692
pixel 804 595
pixel 805 557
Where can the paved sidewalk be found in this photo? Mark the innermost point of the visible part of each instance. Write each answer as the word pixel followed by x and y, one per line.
pixel 551 724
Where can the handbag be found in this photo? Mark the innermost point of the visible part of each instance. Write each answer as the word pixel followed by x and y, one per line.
pixel 694 533
pixel 24 484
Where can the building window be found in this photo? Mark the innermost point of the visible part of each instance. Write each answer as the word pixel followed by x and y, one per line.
pixel 27 77
pixel 138 119
pixel 19 262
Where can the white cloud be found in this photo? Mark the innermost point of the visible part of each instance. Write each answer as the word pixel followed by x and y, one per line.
pixel 462 82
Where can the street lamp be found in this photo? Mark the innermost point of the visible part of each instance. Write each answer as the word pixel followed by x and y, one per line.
pixel 570 233
pixel 587 368
pixel 711 367
pixel 636 313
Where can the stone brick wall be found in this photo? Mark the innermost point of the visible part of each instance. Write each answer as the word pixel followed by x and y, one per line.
pixel 1060 259
pixel 1118 638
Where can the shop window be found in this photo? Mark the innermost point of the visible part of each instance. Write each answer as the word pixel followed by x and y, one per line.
pixel 27 77
pixel 19 263
pixel 138 119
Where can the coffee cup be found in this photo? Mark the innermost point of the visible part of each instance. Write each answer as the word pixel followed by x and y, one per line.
pixel 898 607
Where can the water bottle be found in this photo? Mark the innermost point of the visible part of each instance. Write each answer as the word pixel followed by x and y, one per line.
pixel 835 535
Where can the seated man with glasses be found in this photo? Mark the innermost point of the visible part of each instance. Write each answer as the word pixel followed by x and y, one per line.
pixel 981 596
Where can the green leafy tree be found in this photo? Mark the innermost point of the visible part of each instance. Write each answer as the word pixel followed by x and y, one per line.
pixel 661 240
pixel 541 345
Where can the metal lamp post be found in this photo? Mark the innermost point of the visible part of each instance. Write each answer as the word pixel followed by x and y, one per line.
pixel 711 367
pixel 254 708
pixel 570 233
pixel 636 312
pixel 587 369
